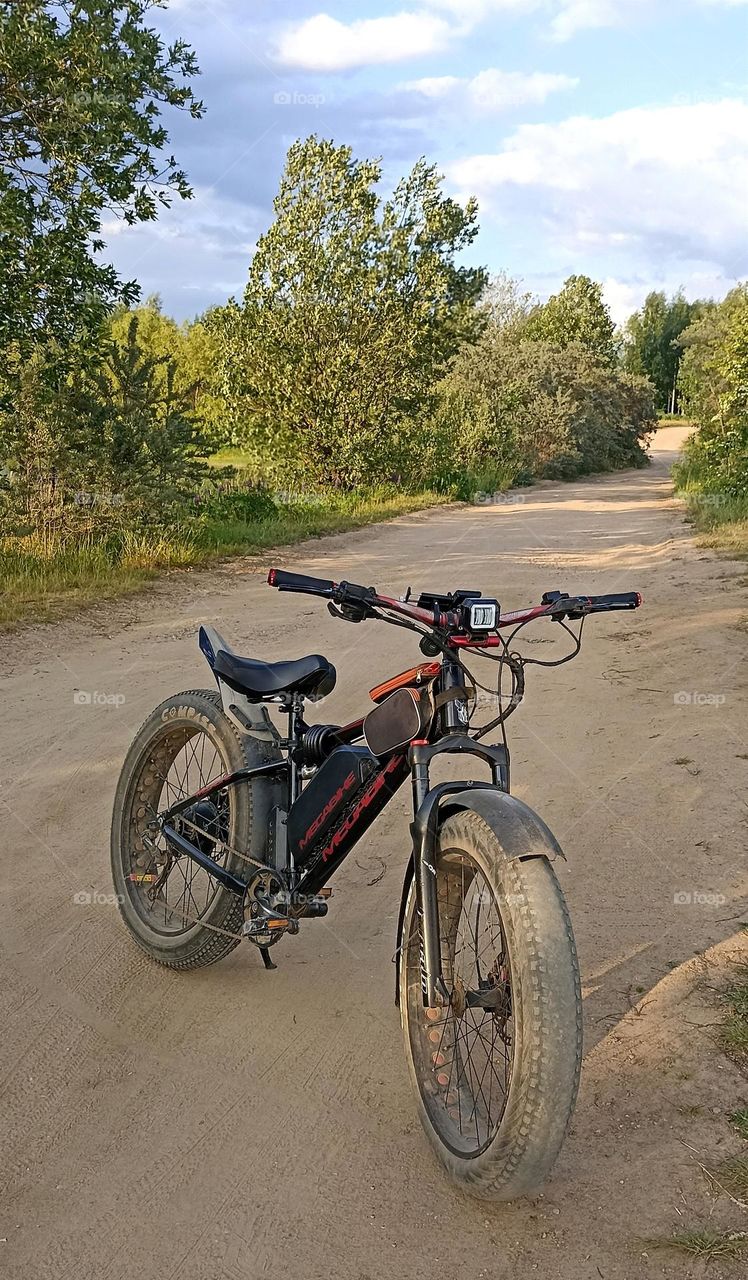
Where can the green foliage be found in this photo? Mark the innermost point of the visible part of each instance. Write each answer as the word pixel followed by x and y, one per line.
pixel 234 503
pixel 352 309
pixel 714 378
pixel 713 475
pixel 576 315
pixel 701 378
pixel 104 444
pixel 189 351
pixel 362 360
pixel 521 408
pixel 147 439
pixel 81 91
pixel 651 343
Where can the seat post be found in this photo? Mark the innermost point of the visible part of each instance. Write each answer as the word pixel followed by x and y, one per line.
pixel 294 707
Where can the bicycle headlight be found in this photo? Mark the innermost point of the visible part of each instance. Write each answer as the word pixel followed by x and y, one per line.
pixel 481 615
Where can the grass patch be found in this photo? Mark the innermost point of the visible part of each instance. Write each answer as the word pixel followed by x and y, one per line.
pixel 674 420
pixel 734 1029
pixel 230 458
pixel 720 518
pixel 739 1120
pixel 295 522
pixel 733 1176
pixel 707 1244
pixel 44 582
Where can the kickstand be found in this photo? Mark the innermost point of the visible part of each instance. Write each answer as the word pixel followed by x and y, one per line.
pixel 266 958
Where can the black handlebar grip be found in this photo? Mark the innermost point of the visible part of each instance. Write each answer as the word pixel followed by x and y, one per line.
pixel 621 600
pixel 300 582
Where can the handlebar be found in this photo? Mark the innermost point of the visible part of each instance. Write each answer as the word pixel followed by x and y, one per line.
pixel 357 601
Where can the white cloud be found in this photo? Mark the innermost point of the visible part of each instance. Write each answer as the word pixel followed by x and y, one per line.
pixel 323 43
pixel 474 11
pixel 494 90
pixel 434 86
pixel 652 184
pixel 580 15
pixel 627 295
pixel 572 16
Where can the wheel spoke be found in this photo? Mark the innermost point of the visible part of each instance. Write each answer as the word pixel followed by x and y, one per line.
pixel 471 1065
pixel 181 763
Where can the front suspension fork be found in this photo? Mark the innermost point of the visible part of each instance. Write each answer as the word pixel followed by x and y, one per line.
pixel 424 833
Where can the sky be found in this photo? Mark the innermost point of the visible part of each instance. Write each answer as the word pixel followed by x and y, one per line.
pixel 608 137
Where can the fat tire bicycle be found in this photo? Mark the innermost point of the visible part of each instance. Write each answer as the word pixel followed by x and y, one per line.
pixel 225 829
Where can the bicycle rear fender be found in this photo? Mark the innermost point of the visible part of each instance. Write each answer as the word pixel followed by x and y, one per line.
pixel 521 833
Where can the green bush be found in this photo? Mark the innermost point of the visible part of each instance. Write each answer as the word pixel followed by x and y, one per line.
pixel 512 409
pixel 235 505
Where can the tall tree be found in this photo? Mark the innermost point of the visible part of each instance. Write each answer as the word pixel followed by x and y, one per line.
pixel 651 343
pixel 700 379
pixel 186 353
pixel 714 384
pixel 352 309
pixel 576 314
pixel 82 86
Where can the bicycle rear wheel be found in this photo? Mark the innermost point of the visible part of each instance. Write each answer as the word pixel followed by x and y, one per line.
pixel 175 910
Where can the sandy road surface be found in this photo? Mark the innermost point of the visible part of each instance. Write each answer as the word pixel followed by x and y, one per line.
pixel 231 1123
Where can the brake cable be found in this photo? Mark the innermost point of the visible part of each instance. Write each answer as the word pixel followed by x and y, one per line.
pixel 516 663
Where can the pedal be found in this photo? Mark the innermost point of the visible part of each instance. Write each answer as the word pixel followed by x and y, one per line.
pixel 270 923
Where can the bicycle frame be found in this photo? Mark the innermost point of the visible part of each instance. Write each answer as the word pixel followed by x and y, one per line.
pixel 344 816
pixel 448 735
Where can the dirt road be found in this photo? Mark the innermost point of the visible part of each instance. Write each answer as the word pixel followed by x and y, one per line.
pixel 232 1123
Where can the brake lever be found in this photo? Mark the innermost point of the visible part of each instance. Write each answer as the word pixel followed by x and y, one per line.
pixel 347 612
pixel 559 602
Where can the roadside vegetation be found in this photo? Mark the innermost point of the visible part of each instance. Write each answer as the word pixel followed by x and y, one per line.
pixel 726 1179
pixel 713 475
pixel 364 372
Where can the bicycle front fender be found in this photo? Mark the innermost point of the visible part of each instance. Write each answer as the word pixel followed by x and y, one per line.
pixel 518 829
pixel 520 832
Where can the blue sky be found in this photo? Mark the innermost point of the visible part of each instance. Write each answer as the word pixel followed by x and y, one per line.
pixel 601 136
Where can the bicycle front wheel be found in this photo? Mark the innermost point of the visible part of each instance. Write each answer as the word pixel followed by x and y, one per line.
pixel 496 1071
